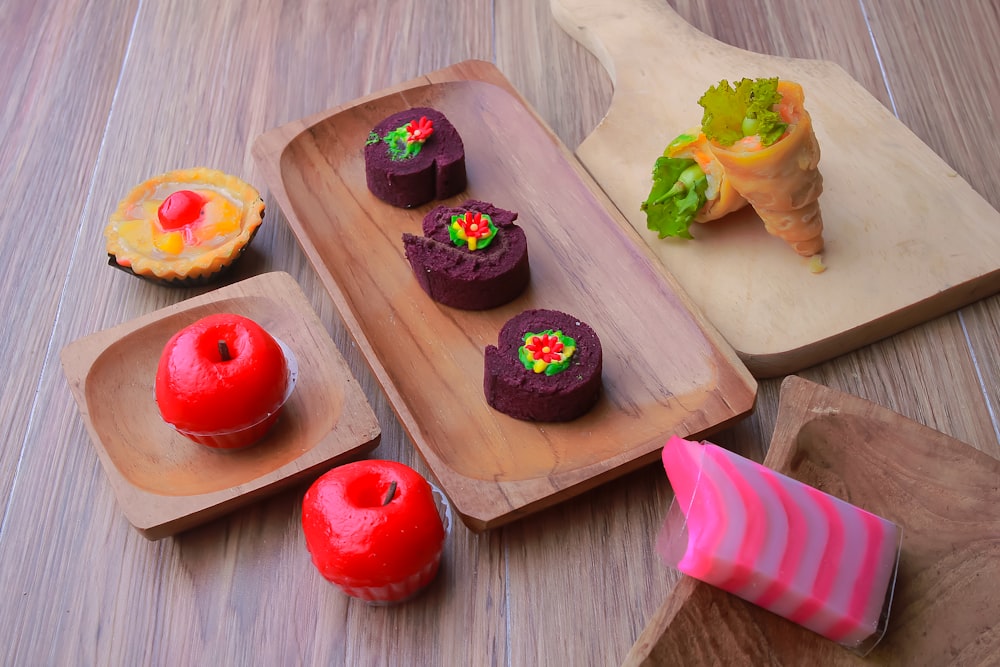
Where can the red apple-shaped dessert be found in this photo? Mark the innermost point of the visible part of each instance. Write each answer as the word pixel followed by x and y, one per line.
pixel 376 529
pixel 223 380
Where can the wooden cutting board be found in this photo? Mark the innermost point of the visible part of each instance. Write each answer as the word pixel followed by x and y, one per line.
pixel 887 197
pixel 944 493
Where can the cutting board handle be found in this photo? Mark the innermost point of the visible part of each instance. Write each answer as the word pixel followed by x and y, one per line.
pixel 630 38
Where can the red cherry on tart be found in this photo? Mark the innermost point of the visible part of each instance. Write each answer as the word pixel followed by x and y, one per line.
pixel 223 380
pixel 180 209
pixel 376 529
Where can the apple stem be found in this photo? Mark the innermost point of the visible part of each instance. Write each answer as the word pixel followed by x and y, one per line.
pixel 392 492
pixel 224 351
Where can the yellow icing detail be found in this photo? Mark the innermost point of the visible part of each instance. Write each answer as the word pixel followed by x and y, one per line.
pixel 171 243
pixel 540 364
pixel 471 241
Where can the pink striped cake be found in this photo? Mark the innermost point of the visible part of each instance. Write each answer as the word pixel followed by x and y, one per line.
pixel 781 544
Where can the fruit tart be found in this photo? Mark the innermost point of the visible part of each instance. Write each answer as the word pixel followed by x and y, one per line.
pixel 184 227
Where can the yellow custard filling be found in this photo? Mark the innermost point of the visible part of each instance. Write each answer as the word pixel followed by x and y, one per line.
pixel 230 212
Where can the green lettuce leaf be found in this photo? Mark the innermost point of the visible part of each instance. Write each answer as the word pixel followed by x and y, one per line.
pixel 743 110
pixel 678 193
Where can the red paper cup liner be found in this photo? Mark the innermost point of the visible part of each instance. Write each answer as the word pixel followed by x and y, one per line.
pixel 248 435
pixel 396 592
pixel 234 439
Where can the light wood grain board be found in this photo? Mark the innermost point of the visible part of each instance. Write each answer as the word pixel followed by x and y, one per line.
pixel 665 369
pixel 907 238
pixel 164 482
pixel 944 493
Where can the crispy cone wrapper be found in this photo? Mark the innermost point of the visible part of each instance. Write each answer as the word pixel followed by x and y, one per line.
pixel 721 197
pixel 782 181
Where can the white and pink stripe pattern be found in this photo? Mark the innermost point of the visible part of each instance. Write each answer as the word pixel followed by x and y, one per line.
pixel 781 544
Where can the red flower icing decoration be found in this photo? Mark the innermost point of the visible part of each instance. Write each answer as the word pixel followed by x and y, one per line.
pixel 474 229
pixel 473 225
pixel 545 348
pixel 419 131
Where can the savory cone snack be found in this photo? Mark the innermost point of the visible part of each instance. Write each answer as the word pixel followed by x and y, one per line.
pixel 762 135
pixel 689 185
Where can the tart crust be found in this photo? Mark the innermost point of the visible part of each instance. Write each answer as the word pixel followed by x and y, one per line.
pixel 131 245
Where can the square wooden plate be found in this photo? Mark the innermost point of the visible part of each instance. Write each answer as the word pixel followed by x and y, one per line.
pixel 665 369
pixel 945 495
pixel 164 482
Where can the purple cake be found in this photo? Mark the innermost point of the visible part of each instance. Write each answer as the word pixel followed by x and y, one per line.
pixel 413 157
pixel 545 367
pixel 471 256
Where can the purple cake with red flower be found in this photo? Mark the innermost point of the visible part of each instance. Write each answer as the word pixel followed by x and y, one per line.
pixel 471 256
pixel 413 157
pixel 545 367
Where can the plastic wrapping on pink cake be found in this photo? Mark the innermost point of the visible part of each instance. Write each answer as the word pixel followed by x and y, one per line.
pixel 779 543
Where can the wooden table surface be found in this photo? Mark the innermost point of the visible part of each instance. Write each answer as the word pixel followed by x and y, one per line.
pixel 103 95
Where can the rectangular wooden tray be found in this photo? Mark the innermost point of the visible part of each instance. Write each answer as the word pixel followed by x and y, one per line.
pixel 945 495
pixel 665 370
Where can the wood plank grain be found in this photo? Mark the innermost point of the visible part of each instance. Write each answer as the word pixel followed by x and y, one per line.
pixel 560 79
pixel 222 594
pixel 51 129
pixel 927 374
pixel 792 29
pixel 980 323
pixel 945 84
pixel 82 588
